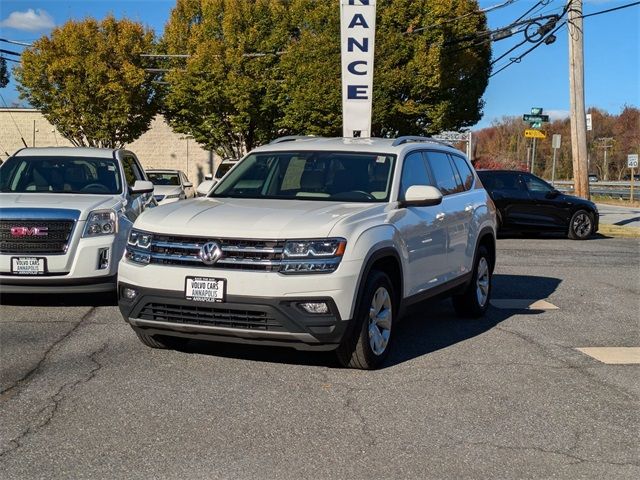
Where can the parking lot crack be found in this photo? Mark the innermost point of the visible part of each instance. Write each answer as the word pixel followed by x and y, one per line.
pixel 13 388
pixel 48 412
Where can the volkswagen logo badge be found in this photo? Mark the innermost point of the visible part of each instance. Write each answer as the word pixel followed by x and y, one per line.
pixel 210 253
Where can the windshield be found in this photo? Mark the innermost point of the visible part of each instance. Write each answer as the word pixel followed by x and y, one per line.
pixel 52 174
pixel 164 178
pixel 222 169
pixel 310 175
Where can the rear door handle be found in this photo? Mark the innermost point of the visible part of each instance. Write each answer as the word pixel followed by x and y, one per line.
pixel 468 208
pixel 440 216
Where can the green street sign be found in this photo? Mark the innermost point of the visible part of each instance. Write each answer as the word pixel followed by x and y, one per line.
pixel 536 124
pixel 536 110
pixel 535 118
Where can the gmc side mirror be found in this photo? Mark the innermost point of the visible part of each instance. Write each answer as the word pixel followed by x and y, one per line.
pixel 187 185
pixel 141 186
pixel 422 196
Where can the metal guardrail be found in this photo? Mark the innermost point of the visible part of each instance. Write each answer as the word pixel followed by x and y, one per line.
pixel 615 189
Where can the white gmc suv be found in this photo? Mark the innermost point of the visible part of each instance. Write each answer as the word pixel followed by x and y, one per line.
pixel 65 216
pixel 314 243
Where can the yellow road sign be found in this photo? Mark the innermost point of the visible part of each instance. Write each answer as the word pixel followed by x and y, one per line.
pixel 530 133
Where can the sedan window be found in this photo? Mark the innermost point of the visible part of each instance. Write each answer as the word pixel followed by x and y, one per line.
pixel 535 184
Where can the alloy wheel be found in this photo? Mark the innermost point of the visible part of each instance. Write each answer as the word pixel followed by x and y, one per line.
pixel 380 318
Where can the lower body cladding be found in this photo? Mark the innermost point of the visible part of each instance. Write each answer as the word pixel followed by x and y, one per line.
pixel 239 319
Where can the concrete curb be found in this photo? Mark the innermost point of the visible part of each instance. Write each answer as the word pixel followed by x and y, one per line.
pixel 618 231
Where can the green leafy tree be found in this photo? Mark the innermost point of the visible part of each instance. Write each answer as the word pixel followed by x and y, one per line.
pixel 4 73
pixel 88 80
pixel 272 67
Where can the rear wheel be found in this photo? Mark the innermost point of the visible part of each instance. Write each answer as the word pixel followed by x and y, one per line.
pixel 367 345
pixel 581 225
pixel 474 301
pixel 160 341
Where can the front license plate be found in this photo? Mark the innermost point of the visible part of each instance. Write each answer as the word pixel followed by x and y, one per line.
pixel 203 289
pixel 28 265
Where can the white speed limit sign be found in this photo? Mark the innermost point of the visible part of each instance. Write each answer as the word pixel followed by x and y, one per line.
pixel 632 160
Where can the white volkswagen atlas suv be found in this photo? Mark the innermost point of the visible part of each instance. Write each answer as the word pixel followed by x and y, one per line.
pixel 313 243
pixel 65 216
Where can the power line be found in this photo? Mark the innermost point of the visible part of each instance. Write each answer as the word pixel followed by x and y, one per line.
pixel 10 52
pixel 10 59
pixel 15 42
pixel 611 9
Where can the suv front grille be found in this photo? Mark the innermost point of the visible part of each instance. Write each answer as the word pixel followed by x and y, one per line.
pixel 209 316
pixel 58 233
pixel 261 255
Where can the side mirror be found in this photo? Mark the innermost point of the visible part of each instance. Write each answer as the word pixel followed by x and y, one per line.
pixel 141 186
pixel 187 185
pixel 204 188
pixel 422 196
pixel 552 194
pixel 208 176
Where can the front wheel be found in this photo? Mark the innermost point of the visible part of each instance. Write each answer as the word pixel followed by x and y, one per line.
pixel 474 301
pixel 581 225
pixel 367 345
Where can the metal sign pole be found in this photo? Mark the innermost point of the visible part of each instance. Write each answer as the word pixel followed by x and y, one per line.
pixel 553 168
pixel 631 195
pixel 533 155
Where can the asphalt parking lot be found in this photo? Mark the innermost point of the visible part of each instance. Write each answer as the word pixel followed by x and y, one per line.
pixel 509 396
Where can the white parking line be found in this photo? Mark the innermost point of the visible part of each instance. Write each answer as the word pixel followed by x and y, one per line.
pixel 523 304
pixel 613 355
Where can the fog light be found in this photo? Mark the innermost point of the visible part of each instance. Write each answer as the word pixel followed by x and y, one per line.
pixel 317 308
pixel 129 293
pixel 103 258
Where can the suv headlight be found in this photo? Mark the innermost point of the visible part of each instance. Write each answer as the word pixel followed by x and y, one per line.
pixel 312 256
pixel 101 222
pixel 137 246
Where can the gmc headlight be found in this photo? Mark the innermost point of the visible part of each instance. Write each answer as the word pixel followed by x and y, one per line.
pixel 101 222
pixel 312 256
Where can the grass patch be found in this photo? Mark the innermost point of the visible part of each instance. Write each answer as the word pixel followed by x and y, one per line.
pixel 616 201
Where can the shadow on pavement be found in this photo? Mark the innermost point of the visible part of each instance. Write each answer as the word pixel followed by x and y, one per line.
pixel 430 326
pixel 107 299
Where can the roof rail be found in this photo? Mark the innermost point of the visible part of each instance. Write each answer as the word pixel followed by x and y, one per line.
pixel 291 138
pixel 411 138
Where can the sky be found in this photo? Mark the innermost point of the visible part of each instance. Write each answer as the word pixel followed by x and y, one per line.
pixel 541 79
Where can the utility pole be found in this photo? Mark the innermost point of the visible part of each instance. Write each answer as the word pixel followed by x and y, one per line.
pixel 605 143
pixel 576 97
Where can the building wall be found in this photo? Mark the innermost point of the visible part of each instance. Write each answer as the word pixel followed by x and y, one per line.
pixel 159 147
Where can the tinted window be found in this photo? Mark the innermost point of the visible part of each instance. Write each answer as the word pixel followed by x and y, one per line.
pixel 502 181
pixel 443 173
pixel 162 178
pixel 466 175
pixel 414 172
pixel 535 184
pixel 60 175
pixel 131 170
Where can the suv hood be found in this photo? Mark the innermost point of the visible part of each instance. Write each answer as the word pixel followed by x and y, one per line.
pixel 249 218
pixel 42 201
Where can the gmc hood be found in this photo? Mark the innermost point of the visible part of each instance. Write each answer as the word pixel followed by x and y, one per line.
pixel 248 218
pixel 44 201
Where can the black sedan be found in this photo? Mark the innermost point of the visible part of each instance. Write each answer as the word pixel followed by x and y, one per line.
pixel 528 204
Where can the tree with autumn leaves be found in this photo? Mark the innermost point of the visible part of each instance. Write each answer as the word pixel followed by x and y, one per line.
pixel 88 79
pixel 503 145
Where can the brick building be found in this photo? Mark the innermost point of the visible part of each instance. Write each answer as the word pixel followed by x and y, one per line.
pixel 159 147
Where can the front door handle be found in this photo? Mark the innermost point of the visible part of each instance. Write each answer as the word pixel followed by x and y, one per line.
pixel 468 208
pixel 440 216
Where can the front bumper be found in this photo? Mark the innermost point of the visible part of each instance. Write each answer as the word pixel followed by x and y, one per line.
pixel 240 319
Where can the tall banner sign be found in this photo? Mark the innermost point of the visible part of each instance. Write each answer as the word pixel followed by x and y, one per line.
pixel 358 33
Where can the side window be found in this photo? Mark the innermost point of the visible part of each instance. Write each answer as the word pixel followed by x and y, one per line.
pixel 536 185
pixel 132 171
pixel 443 173
pixel 464 170
pixel 414 172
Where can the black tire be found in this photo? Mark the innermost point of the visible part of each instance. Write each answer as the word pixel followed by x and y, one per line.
pixel 470 303
pixel 160 341
pixel 581 225
pixel 355 350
